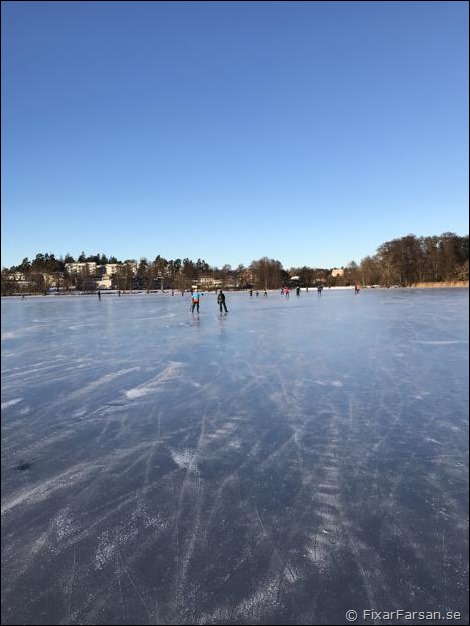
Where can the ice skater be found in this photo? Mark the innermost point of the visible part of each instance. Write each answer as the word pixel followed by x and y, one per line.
pixel 99 294
pixel 265 292
pixel 357 289
pixel 319 289
pixel 221 301
pixel 195 301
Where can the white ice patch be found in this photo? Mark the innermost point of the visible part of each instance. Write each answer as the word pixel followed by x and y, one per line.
pixel 5 405
pixel 132 394
pixel 291 574
pixel 109 543
pixel 318 549
pixel 13 334
pixel 183 458
pixel 223 431
pixel 172 371
pixel 262 599
pixel 148 519
pixel 63 525
pixel 107 378
pixel 105 551
pixel 431 440
pixel 330 383
pixel 437 343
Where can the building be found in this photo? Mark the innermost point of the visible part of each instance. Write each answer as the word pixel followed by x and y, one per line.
pixel 81 268
pixel 111 268
pixel 337 272
pixel 208 282
pixel 105 282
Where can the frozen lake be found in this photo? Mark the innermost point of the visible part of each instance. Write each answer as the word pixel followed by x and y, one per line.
pixel 278 465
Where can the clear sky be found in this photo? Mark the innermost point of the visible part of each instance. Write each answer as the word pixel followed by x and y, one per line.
pixel 308 132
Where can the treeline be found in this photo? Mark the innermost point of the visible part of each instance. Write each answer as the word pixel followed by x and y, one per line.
pixel 46 271
pixel 403 262
pixel 48 263
pixel 412 259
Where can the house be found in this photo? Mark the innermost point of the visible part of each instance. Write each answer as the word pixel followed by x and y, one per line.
pixel 105 282
pixel 208 282
pixel 337 272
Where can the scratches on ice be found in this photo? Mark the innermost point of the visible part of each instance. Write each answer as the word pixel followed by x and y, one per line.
pixel 44 490
pixel 234 477
pixel 104 380
pixel 172 371
pixel 5 405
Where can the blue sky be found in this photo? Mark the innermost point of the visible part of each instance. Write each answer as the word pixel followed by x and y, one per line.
pixel 308 132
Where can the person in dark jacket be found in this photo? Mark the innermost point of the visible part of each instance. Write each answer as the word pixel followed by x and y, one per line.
pixel 221 301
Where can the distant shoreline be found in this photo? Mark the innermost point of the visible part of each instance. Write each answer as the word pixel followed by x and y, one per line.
pixel 435 285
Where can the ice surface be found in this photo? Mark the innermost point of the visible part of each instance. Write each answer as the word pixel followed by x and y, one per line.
pixel 280 464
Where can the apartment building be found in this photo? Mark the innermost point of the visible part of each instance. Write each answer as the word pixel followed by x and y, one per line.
pixel 88 267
